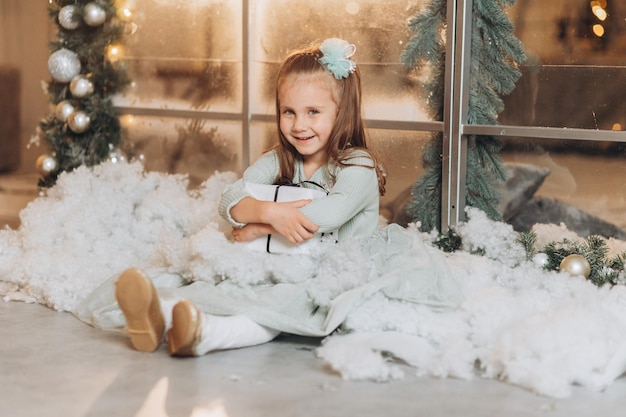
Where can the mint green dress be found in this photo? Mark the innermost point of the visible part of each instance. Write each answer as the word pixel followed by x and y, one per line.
pixel 329 284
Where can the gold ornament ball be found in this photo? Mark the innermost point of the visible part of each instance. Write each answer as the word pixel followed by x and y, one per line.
pixel 81 86
pixel 576 265
pixel 46 165
pixel 79 121
pixel 63 110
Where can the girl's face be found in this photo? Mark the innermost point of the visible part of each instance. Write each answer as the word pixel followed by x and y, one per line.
pixel 307 115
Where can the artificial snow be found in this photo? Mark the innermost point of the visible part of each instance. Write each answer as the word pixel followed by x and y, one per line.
pixel 544 331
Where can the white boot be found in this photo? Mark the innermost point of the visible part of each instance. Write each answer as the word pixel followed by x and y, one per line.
pixel 194 333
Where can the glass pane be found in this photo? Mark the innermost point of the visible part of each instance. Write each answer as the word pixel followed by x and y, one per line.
pixel 262 137
pixel 378 29
pixel 581 184
pixel 576 65
pixel 184 55
pixel 584 97
pixel 186 146
pixel 567 32
pixel 401 154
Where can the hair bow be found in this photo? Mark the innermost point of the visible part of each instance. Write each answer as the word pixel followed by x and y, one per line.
pixel 336 58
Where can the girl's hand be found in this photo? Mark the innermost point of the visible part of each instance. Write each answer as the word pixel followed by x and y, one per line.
pixel 251 231
pixel 286 219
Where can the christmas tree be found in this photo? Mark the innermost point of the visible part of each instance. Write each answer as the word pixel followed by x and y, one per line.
pixel 83 127
pixel 495 54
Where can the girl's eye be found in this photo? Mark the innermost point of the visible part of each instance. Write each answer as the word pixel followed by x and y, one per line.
pixel 313 111
pixel 288 112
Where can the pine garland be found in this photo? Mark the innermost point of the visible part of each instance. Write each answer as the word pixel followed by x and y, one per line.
pixel 593 248
pixel 496 53
pixel 90 42
pixel 426 51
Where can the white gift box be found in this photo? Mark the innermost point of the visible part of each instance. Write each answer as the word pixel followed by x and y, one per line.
pixel 277 243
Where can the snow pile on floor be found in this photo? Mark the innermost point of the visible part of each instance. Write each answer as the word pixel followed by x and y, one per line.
pixel 96 223
pixel 541 330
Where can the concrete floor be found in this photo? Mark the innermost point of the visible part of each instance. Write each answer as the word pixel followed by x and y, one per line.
pixel 51 364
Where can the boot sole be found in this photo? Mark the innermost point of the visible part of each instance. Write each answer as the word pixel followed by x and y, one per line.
pixel 185 332
pixel 139 302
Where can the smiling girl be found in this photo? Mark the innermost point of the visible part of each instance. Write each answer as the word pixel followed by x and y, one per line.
pixel 322 139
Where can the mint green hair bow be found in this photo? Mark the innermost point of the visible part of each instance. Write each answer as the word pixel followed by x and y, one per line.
pixel 336 59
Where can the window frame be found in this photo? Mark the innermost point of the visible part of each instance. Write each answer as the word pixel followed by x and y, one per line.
pixel 457 129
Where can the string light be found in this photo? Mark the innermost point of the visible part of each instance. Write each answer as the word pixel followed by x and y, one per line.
pixel 127 120
pixel 125 13
pixel 598 8
pixel 598 30
pixel 599 12
pixel 114 52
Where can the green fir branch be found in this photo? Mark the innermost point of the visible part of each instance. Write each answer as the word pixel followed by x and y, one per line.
pixel 495 53
pixel 449 241
pixel 528 240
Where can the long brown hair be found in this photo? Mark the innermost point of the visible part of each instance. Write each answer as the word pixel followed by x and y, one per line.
pixel 348 133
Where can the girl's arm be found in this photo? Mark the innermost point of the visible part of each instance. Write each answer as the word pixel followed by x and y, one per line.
pixel 284 218
pixel 237 207
pixel 355 190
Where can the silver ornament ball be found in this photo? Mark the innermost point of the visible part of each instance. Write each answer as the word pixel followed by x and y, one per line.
pixel 94 15
pixel 63 110
pixel 46 165
pixel 79 121
pixel 66 17
pixel 81 86
pixel 576 265
pixel 63 65
pixel 540 259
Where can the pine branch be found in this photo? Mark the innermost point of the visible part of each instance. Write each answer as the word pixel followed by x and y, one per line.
pixel 528 240
pixel 449 241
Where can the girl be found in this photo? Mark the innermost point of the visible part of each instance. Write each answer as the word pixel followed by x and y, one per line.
pixel 322 140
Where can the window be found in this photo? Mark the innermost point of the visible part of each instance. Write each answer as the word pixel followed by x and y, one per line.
pixel 202 97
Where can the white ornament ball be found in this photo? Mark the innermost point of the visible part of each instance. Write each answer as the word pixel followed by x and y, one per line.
pixel 79 121
pixel 64 65
pixel 576 265
pixel 94 15
pixel 66 17
pixel 81 86
pixel 46 165
pixel 540 259
pixel 63 110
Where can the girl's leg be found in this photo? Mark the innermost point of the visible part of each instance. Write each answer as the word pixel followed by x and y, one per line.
pixel 194 333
